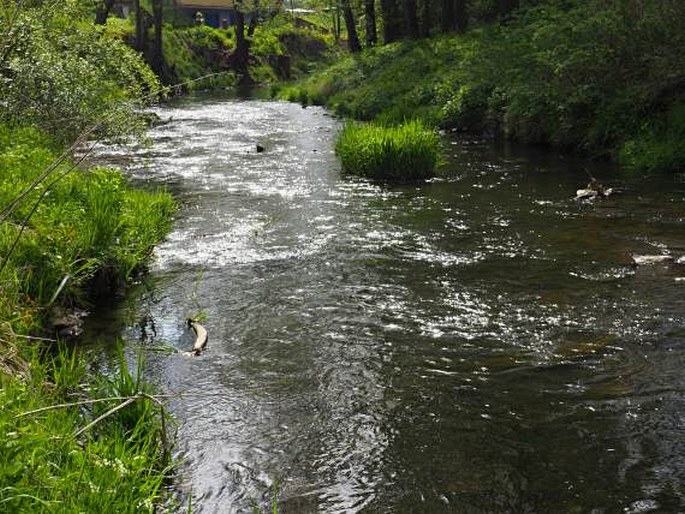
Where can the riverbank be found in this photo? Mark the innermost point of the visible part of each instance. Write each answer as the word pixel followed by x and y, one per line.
pixel 77 235
pixel 603 80
pixel 200 57
pixel 64 447
pixel 72 439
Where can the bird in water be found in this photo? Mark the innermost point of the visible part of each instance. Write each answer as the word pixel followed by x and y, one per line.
pixel 594 189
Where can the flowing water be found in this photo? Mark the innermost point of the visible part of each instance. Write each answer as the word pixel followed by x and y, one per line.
pixel 478 343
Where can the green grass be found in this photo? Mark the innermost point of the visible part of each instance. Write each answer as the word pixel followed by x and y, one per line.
pixel 386 84
pixel 61 240
pixel 88 225
pixel 402 153
pixel 66 233
pixel 660 144
pixel 118 465
pixel 604 78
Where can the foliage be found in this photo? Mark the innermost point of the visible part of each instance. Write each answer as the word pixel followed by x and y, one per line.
pixel 597 76
pixel 387 83
pixel 64 232
pixel 60 72
pixel 202 51
pixel 87 225
pixel 198 56
pixel 403 153
pixel 660 143
pixel 115 466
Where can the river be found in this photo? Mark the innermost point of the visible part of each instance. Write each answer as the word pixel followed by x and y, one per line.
pixel 478 343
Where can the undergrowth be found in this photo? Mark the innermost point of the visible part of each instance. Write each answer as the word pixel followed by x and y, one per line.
pixel 200 57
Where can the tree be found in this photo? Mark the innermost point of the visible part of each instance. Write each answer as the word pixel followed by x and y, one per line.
pixel 448 20
pixel 426 18
pixel 370 15
pixel 352 37
pixel 253 20
pixel 141 27
pixel 156 58
pixel 102 11
pixel 411 21
pixel 461 15
pixel 393 23
pixel 504 7
pixel 241 55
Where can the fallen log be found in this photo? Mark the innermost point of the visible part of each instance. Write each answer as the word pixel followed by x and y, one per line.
pixel 200 336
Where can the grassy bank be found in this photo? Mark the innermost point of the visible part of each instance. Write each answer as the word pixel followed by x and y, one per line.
pixel 79 234
pixel 605 78
pixel 67 235
pixel 49 463
pixel 61 240
pixel 202 57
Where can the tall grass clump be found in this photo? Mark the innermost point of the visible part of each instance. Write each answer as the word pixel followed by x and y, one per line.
pixel 402 153
pixel 89 228
pixel 54 458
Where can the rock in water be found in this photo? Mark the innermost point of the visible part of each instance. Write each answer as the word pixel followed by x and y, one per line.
pixel 591 194
pixel 647 260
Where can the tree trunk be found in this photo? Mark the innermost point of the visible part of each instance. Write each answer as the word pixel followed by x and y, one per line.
pixel 156 52
pixel 392 21
pixel 411 22
pixel 241 56
pixel 461 15
pixel 448 16
pixel 253 20
pixel 102 11
pixel 504 7
pixel 141 33
pixel 352 38
pixel 335 18
pixel 426 18
pixel 370 15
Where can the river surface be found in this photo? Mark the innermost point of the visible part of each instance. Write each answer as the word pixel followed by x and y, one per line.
pixel 478 343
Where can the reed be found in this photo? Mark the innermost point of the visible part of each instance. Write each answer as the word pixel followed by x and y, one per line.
pixel 402 153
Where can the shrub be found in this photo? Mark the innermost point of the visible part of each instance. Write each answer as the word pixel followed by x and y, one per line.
pixel 660 145
pixel 198 57
pixel 63 74
pixel 403 153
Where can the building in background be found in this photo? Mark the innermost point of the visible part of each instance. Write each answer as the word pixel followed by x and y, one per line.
pixel 216 13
